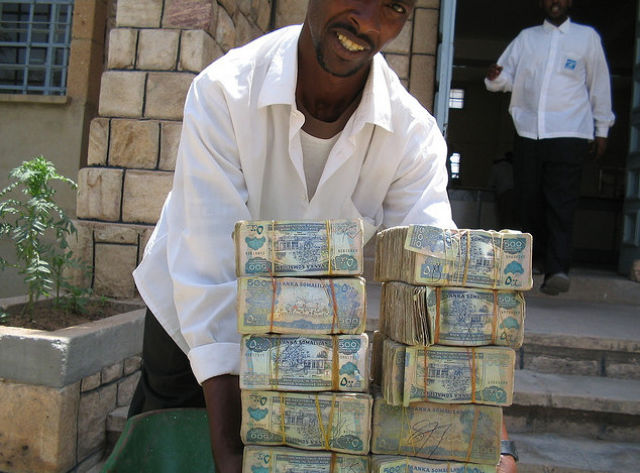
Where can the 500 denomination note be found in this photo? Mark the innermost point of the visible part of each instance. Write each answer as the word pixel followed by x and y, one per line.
pixel 398 464
pixel 298 248
pixel 258 459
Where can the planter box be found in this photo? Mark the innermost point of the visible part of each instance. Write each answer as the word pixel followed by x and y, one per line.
pixel 57 389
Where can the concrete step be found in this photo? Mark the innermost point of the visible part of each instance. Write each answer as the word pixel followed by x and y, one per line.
pixel 587 406
pixel 551 453
pixel 594 285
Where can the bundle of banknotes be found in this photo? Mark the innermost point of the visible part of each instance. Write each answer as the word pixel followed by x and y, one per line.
pixel 298 248
pixel 304 362
pixel 258 459
pixel 426 255
pixel 303 337
pixel 291 305
pixel 456 316
pixel 337 422
pixel 482 375
pixel 459 432
pixel 400 464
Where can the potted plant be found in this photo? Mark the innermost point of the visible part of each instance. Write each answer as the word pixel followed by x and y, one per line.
pixel 57 386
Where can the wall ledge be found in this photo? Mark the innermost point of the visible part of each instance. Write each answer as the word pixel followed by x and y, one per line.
pixel 40 99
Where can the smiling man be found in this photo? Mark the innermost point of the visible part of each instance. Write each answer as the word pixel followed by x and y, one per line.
pixel 560 99
pixel 303 123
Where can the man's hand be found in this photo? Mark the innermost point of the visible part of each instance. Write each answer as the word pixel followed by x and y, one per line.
pixel 507 464
pixel 222 395
pixel 598 147
pixel 494 71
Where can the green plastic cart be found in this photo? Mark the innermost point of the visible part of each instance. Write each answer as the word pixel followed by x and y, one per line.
pixel 165 441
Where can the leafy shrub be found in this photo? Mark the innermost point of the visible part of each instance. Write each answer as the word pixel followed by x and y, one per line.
pixel 39 229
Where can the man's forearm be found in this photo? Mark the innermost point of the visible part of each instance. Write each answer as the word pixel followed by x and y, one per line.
pixel 222 395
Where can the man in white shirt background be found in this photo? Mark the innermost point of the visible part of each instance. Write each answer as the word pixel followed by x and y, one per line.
pixel 560 102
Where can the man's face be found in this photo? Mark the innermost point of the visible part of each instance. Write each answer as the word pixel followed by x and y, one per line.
pixel 556 10
pixel 346 34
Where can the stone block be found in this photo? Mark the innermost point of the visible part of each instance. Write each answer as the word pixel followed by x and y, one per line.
pixel 428 3
pixel 422 78
pixel 92 419
pixel 122 48
pixel 399 63
pixel 169 142
pixel 246 31
pixel 88 465
pixel 197 50
pixel 38 427
pixel 230 6
pixel 132 364
pixel 158 49
pixel 90 382
pixel 112 372
pixel 166 93
pixel 548 363
pixel 290 12
pixel 622 365
pixel 88 20
pixel 140 13
pixel 190 14
pixel 98 142
pixel 401 44
pixel 116 233
pixel 225 31
pixel 126 388
pixel 113 267
pixel 262 10
pixel 144 194
pixel 81 243
pixel 134 143
pixel 425 33
pixel 99 193
pixel 122 94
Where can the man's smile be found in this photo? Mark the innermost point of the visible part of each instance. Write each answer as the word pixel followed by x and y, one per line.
pixel 349 45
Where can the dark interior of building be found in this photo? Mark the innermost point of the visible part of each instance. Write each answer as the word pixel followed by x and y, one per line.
pixel 482 130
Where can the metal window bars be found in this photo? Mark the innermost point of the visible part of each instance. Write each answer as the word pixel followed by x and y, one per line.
pixel 35 37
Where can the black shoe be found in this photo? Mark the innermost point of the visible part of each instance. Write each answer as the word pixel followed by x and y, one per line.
pixel 555 283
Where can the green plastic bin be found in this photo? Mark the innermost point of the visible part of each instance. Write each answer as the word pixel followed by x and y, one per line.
pixel 164 441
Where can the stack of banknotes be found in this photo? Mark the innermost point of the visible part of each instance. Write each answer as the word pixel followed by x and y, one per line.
pixel 452 312
pixel 304 370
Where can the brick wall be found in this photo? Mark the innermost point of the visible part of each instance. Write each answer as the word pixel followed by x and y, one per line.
pixel 155 50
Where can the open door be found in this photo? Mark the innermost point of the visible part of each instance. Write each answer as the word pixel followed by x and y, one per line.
pixel 630 249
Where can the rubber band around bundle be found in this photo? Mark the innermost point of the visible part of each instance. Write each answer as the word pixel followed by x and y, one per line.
pixel 410 440
pixel 274 287
pixel 436 336
pixel 467 259
pixel 272 248
pixel 334 304
pixel 473 374
pixel 426 374
pixel 332 466
pixel 494 318
pixel 327 224
pixel 323 431
pixel 473 434
pixel 282 419
pixel 335 364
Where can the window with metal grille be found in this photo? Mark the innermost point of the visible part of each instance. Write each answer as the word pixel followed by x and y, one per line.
pixel 35 37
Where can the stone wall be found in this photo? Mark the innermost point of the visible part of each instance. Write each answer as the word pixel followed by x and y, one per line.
pixel 155 50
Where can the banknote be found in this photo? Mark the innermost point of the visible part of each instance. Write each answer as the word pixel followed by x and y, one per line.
pixel 433 256
pixel 298 248
pixel 482 375
pixel 305 362
pixel 425 315
pixel 258 459
pixel 301 305
pixel 338 422
pixel 460 432
pixel 399 464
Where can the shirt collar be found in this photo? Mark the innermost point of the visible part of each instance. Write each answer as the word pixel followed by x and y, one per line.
pixel 279 86
pixel 564 27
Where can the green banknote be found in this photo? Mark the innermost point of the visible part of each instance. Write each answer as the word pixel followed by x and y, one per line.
pixel 482 375
pixel 433 256
pixel 461 432
pixel 304 362
pixel 258 459
pixel 398 464
pixel 338 422
pixel 298 248
pixel 455 316
pixel 291 305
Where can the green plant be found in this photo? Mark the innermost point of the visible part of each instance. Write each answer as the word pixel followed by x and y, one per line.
pixel 39 229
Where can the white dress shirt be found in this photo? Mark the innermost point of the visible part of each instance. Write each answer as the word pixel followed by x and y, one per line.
pixel 240 157
pixel 559 81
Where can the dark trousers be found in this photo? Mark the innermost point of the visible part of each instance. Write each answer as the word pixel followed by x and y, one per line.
pixel 547 175
pixel 167 380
